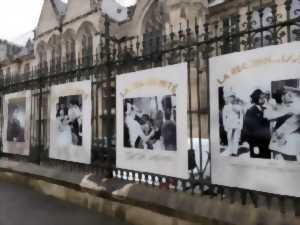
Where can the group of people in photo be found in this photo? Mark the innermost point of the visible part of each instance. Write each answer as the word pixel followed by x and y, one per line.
pixel 268 127
pixel 69 121
pixel 150 123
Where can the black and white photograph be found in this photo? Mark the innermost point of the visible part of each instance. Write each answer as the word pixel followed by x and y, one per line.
pixel 151 119
pixel 16 123
pixel 255 119
pixel 69 120
pixel 16 120
pixel 150 123
pixel 268 127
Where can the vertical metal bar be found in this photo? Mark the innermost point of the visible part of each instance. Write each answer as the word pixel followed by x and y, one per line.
pixel 93 110
pixel 44 128
pixel 97 109
pixel 102 109
pixel 109 126
pixel 261 24
pixel 1 121
pixel 274 20
pixel 288 18
pixel 249 26
pixel 199 102
pixel 216 25
pixel 189 86
pixel 206 61
pixel 40 144
pixel 47 119
pixel 199 116
pixel 31 133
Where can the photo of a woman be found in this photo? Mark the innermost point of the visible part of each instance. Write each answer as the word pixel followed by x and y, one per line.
pixel 69 120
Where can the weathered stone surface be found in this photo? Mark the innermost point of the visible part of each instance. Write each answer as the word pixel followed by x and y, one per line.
pixel 140 204
pixel 21 205
pixel 141 216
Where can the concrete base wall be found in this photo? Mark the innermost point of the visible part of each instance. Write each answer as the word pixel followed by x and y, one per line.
pixel 131 214
pixel 140 204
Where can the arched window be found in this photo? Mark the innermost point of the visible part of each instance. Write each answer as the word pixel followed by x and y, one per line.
pixel 84 38
pixel 53 59
pixel 1 77
pixel 8 72
pixel 84 45
pixel 55 50
pixel 8 75
pixel 70 51
pixel 26 69
pixel 153 28
pixel 87 48
pixel 42 56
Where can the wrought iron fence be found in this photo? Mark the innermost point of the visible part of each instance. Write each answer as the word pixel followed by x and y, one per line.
pixel 259 25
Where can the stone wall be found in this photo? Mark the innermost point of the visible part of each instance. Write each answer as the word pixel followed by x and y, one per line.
pixel 139 204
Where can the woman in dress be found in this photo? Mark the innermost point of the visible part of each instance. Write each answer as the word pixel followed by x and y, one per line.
pixel 137 136
pixel 64 135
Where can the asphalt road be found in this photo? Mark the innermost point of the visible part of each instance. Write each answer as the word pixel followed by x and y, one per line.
pixel 21 205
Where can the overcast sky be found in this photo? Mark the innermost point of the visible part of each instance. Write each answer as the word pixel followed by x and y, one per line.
pixel 19 17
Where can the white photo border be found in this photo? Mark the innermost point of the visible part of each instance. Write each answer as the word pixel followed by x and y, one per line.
pixel 17 148
pixel 80 154
pixel 169 163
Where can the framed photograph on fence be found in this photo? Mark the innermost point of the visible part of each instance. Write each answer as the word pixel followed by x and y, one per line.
pixel 70 122
pixel 16 132
pixel 152 121
pixel 255 119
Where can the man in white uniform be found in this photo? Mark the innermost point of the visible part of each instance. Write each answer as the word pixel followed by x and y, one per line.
pixel 233 122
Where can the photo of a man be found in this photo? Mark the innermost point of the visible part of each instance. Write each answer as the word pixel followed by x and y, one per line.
pixel 266 127
pixel 266 83
pixel 257 127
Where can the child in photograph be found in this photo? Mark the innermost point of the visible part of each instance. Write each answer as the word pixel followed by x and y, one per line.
pixel 232 117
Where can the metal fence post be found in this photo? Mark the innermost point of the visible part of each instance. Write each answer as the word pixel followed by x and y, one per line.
pixel 38 150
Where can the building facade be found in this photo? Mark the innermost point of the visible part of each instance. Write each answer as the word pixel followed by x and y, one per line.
pixel 69 35
pixel 68 31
